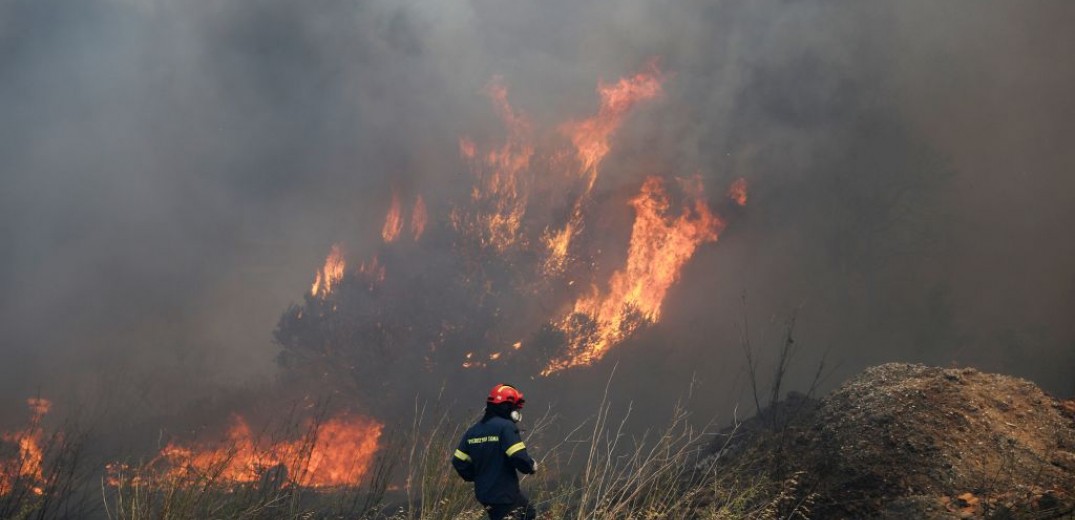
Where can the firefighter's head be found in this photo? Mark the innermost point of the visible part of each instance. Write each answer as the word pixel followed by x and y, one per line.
pixel 507 397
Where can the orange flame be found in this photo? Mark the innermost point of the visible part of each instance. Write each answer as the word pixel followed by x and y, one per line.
pixel 591 136
pixel 662 239
pixel 26 464
pixel 419 218
pixel 660 246
pixel 331 273
pixel 501 192
pixel 738 191
pixel 558 243
pixel 393 221
pixel 336 453
pixel 591 139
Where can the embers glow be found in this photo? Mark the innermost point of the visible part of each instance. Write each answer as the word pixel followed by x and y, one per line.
pixel 660 245
pixel 469 362
pixel 331 273
pixel 336 453
pixel 393 221
pixel 24 468
pixel 373 270
pixel 738 191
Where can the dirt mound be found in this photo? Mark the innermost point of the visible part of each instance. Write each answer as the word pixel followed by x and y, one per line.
pixel 910 441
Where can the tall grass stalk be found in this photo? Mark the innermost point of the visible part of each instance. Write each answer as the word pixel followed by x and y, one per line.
pixel 598 469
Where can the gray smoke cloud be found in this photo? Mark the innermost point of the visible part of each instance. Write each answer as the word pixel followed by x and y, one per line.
pixel 174 172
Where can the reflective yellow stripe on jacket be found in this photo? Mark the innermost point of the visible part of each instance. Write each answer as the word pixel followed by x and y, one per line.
pixel 515 448
pixel 462 456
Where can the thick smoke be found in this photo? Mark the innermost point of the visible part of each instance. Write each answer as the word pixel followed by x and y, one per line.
pixel 173 173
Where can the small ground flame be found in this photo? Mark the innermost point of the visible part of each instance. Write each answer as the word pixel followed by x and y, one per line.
pixel 335 453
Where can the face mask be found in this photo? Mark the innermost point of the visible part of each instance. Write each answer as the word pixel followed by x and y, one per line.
pixel 516 415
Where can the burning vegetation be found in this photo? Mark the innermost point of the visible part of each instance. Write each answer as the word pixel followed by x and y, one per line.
pixel 332 453
pixel 660 245
pixel 520 236
pixel 331 273
pixel 535 269
pixel 375 330
pixel 438 227
pixel 896 441
pixel 521 285
pixel 23 467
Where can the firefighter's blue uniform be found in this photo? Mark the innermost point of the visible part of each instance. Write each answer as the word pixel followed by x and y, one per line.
pixel 488 455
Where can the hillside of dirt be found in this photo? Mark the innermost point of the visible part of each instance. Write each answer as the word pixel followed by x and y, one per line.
pixel 911 441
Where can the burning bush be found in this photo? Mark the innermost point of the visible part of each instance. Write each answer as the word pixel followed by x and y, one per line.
pixel 510 278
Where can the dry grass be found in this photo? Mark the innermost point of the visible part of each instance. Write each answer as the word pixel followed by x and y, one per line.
pixel 596 470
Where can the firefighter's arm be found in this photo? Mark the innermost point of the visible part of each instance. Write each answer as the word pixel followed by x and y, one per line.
pixel 514 448
pixel 462 463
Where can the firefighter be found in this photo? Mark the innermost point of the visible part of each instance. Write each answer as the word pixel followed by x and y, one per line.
pixel 491 452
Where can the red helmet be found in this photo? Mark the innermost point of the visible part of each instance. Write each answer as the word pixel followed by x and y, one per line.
pixel 503 393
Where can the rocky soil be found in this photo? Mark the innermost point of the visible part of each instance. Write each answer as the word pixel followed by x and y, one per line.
pixel 911 441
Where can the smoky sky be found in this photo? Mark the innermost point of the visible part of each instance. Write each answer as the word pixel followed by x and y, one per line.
pixel 173 173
